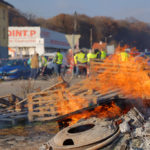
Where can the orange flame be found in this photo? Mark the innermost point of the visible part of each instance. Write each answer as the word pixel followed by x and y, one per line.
pixel 74 103
pixel 67 103
pixel 131 77
pixel 106 111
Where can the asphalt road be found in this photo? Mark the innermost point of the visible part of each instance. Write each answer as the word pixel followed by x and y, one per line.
pixel 22 87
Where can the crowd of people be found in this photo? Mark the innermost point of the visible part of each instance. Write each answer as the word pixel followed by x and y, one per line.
pixel 82 60
pixel 78 62
pixel 39 64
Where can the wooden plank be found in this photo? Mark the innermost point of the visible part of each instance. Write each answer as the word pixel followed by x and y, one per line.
pixel 6 119
pixel 12 114
pixel 4 102
pixel 45 106
pixel 25 116
pixel 49 88
pixel 6 96
pixel 30 107
pixel 44 113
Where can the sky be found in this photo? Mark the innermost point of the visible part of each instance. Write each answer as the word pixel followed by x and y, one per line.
pixel 117 9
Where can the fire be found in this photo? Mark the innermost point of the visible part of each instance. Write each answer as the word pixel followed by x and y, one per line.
pixel 74 103
pixel 105 111
pixel 130 77
pixel 67 103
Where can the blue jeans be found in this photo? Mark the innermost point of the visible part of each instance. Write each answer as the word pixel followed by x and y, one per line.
pixel 34 73
pixel 77 70
pixel 58 69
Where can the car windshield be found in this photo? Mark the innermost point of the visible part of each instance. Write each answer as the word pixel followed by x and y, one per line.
pixel 14 62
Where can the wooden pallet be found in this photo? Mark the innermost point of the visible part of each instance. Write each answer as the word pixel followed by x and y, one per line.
pixel 8 102
pixel 10 113
pixel 43 106
pixel 98 66
pixel 12 118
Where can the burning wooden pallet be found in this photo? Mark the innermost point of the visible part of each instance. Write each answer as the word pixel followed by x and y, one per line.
pixel 43 106
pixel 97 67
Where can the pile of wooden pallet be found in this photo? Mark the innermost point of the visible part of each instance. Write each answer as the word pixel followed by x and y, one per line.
pixel 43 106
pixel 10 112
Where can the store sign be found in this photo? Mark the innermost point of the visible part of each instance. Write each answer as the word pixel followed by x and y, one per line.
pixel 21 33
pixel 35 36
pixel 23 36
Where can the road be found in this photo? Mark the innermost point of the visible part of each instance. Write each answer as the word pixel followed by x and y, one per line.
pixel 22 87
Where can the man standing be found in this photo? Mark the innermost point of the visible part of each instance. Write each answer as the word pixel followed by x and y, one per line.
pixel 43 64
pixel 80 60
pixel 58 60
pixel 124 55
pixel 91 55
pixel 34 66
pixel 103 54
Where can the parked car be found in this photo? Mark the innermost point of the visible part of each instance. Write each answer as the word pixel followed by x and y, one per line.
pixel 15 69
pixel 3 62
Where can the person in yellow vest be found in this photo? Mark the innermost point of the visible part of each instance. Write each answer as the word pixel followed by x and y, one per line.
pixel 43 65
pixel 124 56
pixel 98 53
pixel 79 58
pixel 91 55
pixel 58 60
pixel 103 54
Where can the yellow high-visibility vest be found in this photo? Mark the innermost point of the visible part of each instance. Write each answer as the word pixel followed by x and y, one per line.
pixel 91 56
pixel 124 56
pixel 80 58
pixel 103 54
pixel 58 58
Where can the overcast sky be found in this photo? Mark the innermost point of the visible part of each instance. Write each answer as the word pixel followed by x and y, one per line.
pixel 117 9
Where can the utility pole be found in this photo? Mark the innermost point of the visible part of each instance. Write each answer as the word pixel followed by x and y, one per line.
pixel 75 22
pixel 106 38
pixel 91 37
pixel 74 30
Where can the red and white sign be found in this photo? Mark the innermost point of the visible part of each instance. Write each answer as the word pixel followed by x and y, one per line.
pixel 23 36
pixel 28 37
pixel 21 33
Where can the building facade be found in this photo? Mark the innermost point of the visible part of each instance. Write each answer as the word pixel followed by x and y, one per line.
pixel 4 6
pixel 25 41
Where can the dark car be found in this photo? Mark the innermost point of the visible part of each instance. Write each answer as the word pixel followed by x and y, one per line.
pixel 15 69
